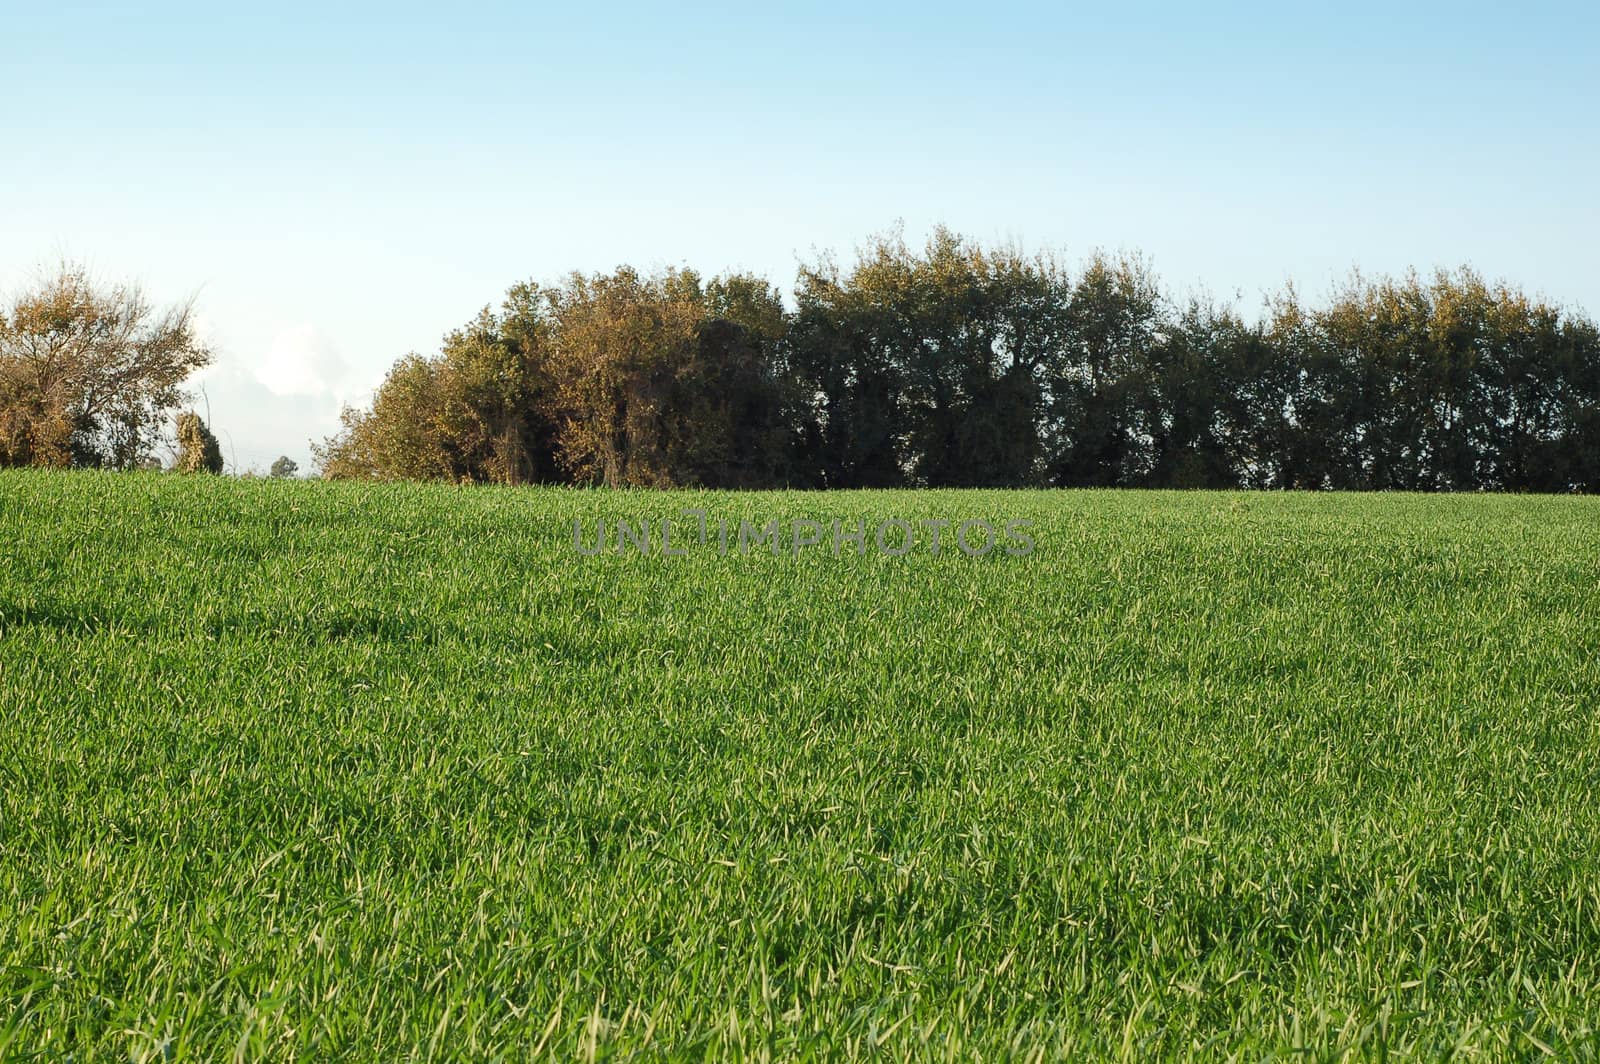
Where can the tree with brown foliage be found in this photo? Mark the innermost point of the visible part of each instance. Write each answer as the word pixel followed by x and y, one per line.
pixel 88 373
pixel 667 380
pixel 479 411
pixel 616 379
pixel 198 451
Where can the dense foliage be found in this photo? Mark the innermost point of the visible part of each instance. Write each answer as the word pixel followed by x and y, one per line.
pixel 959 365
pixel 89 373
pixel 353 771
pixel 198 450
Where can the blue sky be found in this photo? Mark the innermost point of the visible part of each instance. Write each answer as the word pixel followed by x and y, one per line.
pixel 338 187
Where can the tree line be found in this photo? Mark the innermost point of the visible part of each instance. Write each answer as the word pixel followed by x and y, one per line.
pixel 949 365
pixel 959 365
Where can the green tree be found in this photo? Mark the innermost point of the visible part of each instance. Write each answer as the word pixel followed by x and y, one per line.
pixel 851 422
pixel 1193 407
pixel 926 367
pixel 1102 435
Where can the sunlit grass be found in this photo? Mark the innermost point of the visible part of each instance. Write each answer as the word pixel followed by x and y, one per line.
pixel 306 769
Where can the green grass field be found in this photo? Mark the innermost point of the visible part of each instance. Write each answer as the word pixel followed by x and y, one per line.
pixel 308 770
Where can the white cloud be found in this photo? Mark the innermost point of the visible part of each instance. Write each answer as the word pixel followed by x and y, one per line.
pixel 268 399
pixel 205 329
pixel 302 361
pixel 256 425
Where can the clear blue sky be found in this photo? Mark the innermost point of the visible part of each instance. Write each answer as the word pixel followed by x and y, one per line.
pixel 338 186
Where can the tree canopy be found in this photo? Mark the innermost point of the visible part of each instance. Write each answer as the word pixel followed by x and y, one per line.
pixel 956 364
pixel 89 373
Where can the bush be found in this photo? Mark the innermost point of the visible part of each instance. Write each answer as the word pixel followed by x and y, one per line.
pixel 198 451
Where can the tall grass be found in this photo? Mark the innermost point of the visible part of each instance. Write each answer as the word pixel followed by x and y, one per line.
pixel 311 770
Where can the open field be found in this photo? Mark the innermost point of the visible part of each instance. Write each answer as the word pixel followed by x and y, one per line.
pixel 305 769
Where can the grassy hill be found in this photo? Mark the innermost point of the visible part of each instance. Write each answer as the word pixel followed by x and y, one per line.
pixel 305 769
